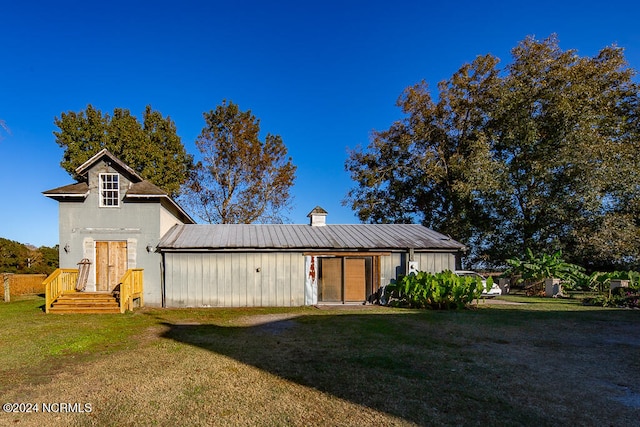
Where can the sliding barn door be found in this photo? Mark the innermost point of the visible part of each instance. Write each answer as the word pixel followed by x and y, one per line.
pixel 345 279
pixel 331 280
pixel 355 279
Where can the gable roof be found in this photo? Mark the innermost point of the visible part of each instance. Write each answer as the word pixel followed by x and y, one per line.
pixel 139 188
pixel 305 237
pixel 317 211
pixel 84 168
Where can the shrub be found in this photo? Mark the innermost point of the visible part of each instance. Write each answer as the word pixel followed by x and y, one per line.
pixel 442 291
pixel 619 297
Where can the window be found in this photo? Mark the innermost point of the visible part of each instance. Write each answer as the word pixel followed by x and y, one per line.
pixel 109 190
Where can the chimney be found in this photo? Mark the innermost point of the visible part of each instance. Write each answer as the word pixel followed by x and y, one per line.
pixel 318 217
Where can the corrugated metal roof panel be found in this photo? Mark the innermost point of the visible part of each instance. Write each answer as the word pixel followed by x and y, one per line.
pixel 287 236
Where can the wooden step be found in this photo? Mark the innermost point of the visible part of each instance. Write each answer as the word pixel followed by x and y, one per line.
pixel 75 295
pixel 85 302
pixel 84 310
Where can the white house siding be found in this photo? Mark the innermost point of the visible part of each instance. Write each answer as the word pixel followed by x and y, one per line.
pixel 234 279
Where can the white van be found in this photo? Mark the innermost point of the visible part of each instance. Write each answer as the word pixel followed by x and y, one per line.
pixel 487 293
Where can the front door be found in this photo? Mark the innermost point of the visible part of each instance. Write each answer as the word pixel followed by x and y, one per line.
pixel 111 264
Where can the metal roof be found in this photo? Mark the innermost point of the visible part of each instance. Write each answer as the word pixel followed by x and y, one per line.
pixel 305 237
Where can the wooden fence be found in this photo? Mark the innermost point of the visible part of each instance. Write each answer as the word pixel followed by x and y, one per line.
pixel 12 285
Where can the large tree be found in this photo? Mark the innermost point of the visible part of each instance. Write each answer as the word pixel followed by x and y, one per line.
pixel 241 178
pixel 429 166
pixel 541 154
pixel 566 131
pixel 152 148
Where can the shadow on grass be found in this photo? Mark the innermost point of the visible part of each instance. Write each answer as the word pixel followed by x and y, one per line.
pixel 419 367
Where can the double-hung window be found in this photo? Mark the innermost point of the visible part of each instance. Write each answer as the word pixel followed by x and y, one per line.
pixel 109 190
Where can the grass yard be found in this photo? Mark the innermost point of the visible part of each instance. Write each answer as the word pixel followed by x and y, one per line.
pixel 514 361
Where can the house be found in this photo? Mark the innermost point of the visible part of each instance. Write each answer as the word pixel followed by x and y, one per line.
pixel 118 221
pixel 113 218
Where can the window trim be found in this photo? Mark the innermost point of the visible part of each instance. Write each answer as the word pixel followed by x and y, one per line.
pixel 109 193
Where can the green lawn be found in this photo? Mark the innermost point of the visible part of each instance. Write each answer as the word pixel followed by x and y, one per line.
pixel 524 361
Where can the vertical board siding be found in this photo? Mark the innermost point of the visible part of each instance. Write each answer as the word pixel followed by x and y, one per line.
pixel 281 280
pixel 389 267
pixel 268 279
pixel 297 270
pixel 433 262
pixel 233 279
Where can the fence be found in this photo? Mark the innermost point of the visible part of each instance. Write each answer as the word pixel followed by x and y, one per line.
pixel 20 284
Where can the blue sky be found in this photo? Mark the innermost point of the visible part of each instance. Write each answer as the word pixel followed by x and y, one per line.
pixel 321 74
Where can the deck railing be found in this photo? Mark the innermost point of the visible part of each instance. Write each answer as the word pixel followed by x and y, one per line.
pixel 64 280
pixel 60 281
pixel 131 289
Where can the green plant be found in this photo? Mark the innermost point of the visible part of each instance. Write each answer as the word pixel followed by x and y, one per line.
pixel 599 281
pixel 443 290
pixel 534 269
pixel 619 297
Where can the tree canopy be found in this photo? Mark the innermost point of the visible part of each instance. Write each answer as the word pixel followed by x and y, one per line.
pixel 541 154
pixel 241 178
pixel 152 148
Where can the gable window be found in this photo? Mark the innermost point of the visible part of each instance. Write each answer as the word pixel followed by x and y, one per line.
pixel 109 190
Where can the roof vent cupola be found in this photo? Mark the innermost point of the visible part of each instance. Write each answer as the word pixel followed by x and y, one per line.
pixel 318 217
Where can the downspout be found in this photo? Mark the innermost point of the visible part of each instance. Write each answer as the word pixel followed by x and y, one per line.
pixel 162 282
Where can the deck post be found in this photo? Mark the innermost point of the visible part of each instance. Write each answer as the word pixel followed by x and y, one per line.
pixel 7 287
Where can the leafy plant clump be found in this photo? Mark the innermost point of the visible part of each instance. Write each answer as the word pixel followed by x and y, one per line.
pixel 600 282
pixel 619 298
pixel 442 291
pixel 533 269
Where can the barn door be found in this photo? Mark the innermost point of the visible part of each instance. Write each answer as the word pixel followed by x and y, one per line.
pixel 355 279
pixel 345 279
pixel 111 264
pixel 330 288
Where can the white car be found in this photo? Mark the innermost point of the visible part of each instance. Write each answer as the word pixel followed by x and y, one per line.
pixel 487 293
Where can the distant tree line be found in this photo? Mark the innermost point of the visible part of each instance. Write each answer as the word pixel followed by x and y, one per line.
pixel 20 258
